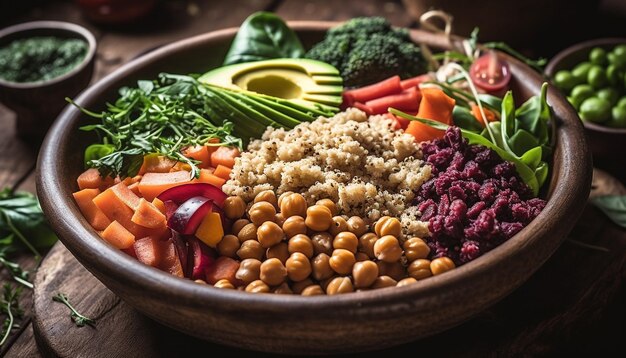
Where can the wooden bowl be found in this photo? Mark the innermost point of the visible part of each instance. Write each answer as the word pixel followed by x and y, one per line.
pixel 606 143
pixel 294 324
pixel 37 104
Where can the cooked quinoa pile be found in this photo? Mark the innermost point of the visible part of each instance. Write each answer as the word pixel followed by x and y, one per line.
pixel 368 168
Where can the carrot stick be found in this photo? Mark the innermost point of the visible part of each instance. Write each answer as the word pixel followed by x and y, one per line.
pixel 376 90
pixel 435 105
pixel 406 101
pixel 414 81
pixel 363 107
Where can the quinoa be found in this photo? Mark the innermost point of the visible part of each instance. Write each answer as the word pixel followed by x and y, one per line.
pixel 363 164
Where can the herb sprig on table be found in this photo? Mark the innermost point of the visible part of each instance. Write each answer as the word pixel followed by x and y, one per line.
pixel 79 319
pixel 162 116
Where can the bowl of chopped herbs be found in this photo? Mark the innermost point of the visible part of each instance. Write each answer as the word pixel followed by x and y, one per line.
pixel 41 63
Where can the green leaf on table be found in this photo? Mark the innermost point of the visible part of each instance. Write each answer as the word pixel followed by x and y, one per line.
pixel 614 206
pixel 263 36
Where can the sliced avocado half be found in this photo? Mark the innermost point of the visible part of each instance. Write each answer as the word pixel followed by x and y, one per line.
pixel 307 84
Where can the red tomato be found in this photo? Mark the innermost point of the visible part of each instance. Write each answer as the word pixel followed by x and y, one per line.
pixel 490 73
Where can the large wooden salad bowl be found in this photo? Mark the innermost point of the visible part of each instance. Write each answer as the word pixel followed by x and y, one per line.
pixel 319 324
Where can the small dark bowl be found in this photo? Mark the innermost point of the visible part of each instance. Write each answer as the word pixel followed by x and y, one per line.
pixel 291 323
pixel 37 104
pixel 606 143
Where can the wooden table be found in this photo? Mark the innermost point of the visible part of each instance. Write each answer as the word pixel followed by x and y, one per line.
pixel 595 307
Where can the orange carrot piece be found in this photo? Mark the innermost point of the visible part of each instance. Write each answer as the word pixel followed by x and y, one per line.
pixel 146 250
pixel 91 179
pixel 380 89
pixel 224 268
pixel 95 216
pixel 126 195
pixel 117 235
pixel 134 187
pixel 222 172
pixel 408 100
pixel 435 105
pixel 168 258
pixel 153 163
pixel 153 184
pixel 488 113
pixel 200 153
pixel 207 177
pixel 147 215
pixel 415 81
pixel 159 205
pixel 224 156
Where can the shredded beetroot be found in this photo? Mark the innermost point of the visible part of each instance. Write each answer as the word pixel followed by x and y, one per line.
pixel 474 202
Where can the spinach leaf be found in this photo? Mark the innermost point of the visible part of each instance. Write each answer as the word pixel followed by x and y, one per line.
pixel 464 118
pixel 534 116
pixel 614 206
pixel 263 36
pixel 522 141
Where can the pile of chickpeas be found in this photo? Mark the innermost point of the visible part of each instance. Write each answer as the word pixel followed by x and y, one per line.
pixel 287 247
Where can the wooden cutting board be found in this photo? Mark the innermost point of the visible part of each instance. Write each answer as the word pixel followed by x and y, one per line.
pixel 573 304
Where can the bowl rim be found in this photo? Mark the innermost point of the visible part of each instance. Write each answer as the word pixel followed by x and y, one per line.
pixel 553 64
pixel 69 27
pixel 569 188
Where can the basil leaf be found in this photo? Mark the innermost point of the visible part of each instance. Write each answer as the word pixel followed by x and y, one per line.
pixel 263 36
pixel 614 206
pixel 464 118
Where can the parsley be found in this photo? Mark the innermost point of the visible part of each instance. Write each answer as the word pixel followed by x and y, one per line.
pixel 79 319
pixel 9 306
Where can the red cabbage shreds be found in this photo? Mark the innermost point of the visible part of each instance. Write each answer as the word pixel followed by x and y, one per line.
pixel 474 202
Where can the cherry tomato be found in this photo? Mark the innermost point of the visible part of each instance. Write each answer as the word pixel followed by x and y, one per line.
pixel 490 73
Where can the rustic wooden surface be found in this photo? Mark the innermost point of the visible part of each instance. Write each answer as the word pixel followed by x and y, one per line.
pixel 574 300
pixel 570 305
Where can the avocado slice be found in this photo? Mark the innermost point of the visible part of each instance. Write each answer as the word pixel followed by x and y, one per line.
pixel 263 109
pixel 311 84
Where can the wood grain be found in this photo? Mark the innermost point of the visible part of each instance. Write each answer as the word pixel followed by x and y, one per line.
pixel 564 307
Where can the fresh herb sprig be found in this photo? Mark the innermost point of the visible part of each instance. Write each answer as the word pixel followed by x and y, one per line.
pixel 9 306
pixel 162 116
pixel 79 319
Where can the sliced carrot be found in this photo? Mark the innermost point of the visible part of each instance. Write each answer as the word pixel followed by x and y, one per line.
pixel 380 89
pixel 488 113
pixel 212 147
pixel 95 216
pixel 169 260
pixel 435 105
pixel 159 205
pixel 154 163
pixel 126 195
pixel 406 101
pixel 148 215
pixel 415 81
pixel 224 156
pixel 222 172
pixel 153 184
pixel 117 235
pixel 134 187
pixel 91 179
pixel 146 251
pixel 224 268
pixel 365 108
pixel 200 153
pixel 207 177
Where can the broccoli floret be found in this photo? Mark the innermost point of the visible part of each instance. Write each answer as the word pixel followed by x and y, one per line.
pixel 368 50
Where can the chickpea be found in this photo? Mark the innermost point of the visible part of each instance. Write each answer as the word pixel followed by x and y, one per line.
pixel 420 269
pixel 229 246
pixel 298 287
pixel 366 244
pixel 330 205
pixel 357 226
pixel 384 281
pixel 283 289
pixel 279 251
pixel 339 285
pixel 364 273
pixel 293 204
pixel 406 282
pixel 301 243
pixel 394 270
pixel 313 290
pixel 249 270
pixel 324 283
pixel 388 226
pixel 238 225
pixel 321 267
pixel 282 196
pixel 261 212
pixel 318 218
pixel 441 265
pixel 223 283
pixel 279 219
pixel 250 249
pixel 339 225
pixel 202 282
pixel 267 196
pixel 415 248
pixel 273 272
pixel 346 240
pixel 294 225
pixel 234 207
pixel 342 261
pixel 298 267
pixel 387 249
pixel 257 286
pixel 248 232
pixel 270 234
pixel 322 243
